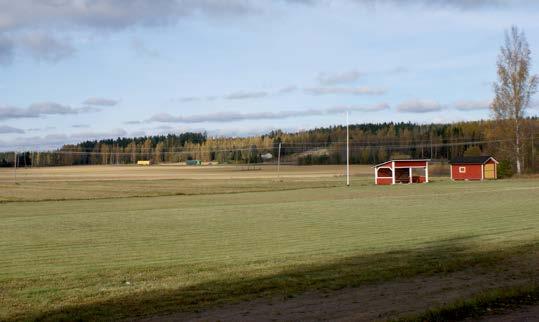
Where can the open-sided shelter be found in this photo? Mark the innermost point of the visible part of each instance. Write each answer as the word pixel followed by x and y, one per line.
pixel 402 171
pixel 474 168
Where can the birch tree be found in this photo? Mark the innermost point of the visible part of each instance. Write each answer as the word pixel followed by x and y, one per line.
pixel 513 90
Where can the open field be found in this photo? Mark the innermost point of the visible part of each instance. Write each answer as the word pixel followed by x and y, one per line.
pixel 94 182
pixel 220 235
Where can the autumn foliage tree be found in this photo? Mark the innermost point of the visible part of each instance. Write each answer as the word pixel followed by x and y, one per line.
pixel 513 91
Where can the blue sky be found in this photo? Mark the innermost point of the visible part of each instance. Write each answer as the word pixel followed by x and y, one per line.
pixel 72 70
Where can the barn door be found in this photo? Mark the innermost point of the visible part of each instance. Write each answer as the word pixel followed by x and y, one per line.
pixel 490 172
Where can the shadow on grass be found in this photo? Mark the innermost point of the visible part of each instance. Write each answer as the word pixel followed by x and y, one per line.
pixel 497 301
pixel 436 258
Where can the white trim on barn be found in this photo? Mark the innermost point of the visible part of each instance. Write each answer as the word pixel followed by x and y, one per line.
pixel 482 172
pixel 392 172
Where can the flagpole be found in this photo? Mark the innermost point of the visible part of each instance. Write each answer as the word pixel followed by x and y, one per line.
pixel 347 150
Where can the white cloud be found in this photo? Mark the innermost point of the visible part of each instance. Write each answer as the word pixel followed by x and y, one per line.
pixel 53 141
pixel 246 95
pixel 358 108
pixel 45 47
pixel 111 14
pixel 287 89
pixel 436 4
pixel 186 99
pixel 41 109
pixel 5 129
pixel 100 101
pixel 238 116
pixel 344 91
pixel 6 50
pixel 30 24
pixel 241 95
pixel 419 106
pixel 338 78
pixel 469 105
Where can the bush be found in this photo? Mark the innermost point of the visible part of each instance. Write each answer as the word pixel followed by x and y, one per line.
pixel 504 169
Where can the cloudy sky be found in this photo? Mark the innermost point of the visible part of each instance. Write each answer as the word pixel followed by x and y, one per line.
pixel 82 69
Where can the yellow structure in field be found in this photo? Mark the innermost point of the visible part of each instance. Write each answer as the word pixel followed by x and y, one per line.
pixel 144 162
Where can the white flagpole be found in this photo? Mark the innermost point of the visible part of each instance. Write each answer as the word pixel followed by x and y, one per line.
pixel 15 164
pixel 347 151
pixel 279 162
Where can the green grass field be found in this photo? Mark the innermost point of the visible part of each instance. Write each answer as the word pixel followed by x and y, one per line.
pixel 123 256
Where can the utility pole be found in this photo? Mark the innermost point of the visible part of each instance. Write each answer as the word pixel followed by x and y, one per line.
pixel 279 162
pixel 15 166
pixel 347 150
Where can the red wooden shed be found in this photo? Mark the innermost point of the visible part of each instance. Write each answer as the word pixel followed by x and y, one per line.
pixel 474 168
pixel 402 171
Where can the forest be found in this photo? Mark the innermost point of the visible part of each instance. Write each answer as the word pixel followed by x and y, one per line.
pixel 369 144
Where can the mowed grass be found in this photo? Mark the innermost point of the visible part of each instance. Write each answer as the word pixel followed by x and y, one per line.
pixel 98 182
pixel 120 257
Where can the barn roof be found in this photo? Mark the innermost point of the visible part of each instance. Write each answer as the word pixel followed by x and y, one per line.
pixel 472 160
pixel 400 160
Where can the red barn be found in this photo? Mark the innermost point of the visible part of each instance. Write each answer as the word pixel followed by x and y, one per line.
pixel 474 168
pixel 402 171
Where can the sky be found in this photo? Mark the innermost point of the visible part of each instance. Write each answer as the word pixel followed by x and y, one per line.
pixel 74 70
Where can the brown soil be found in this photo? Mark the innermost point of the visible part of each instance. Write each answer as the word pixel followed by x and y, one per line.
pixel 524 314
pixel 379 301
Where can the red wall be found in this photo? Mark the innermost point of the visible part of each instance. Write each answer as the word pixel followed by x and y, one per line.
pixel 384 181
pixel 473 172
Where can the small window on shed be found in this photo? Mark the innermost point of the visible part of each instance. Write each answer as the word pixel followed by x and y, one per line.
pixel 462 169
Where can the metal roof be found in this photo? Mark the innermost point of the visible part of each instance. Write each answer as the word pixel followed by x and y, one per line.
pixel 400 160
pixel 472 160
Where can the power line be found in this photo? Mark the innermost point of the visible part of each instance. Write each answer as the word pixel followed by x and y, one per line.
pixel 353 146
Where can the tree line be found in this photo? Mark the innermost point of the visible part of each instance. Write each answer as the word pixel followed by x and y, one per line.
pixel 369 144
